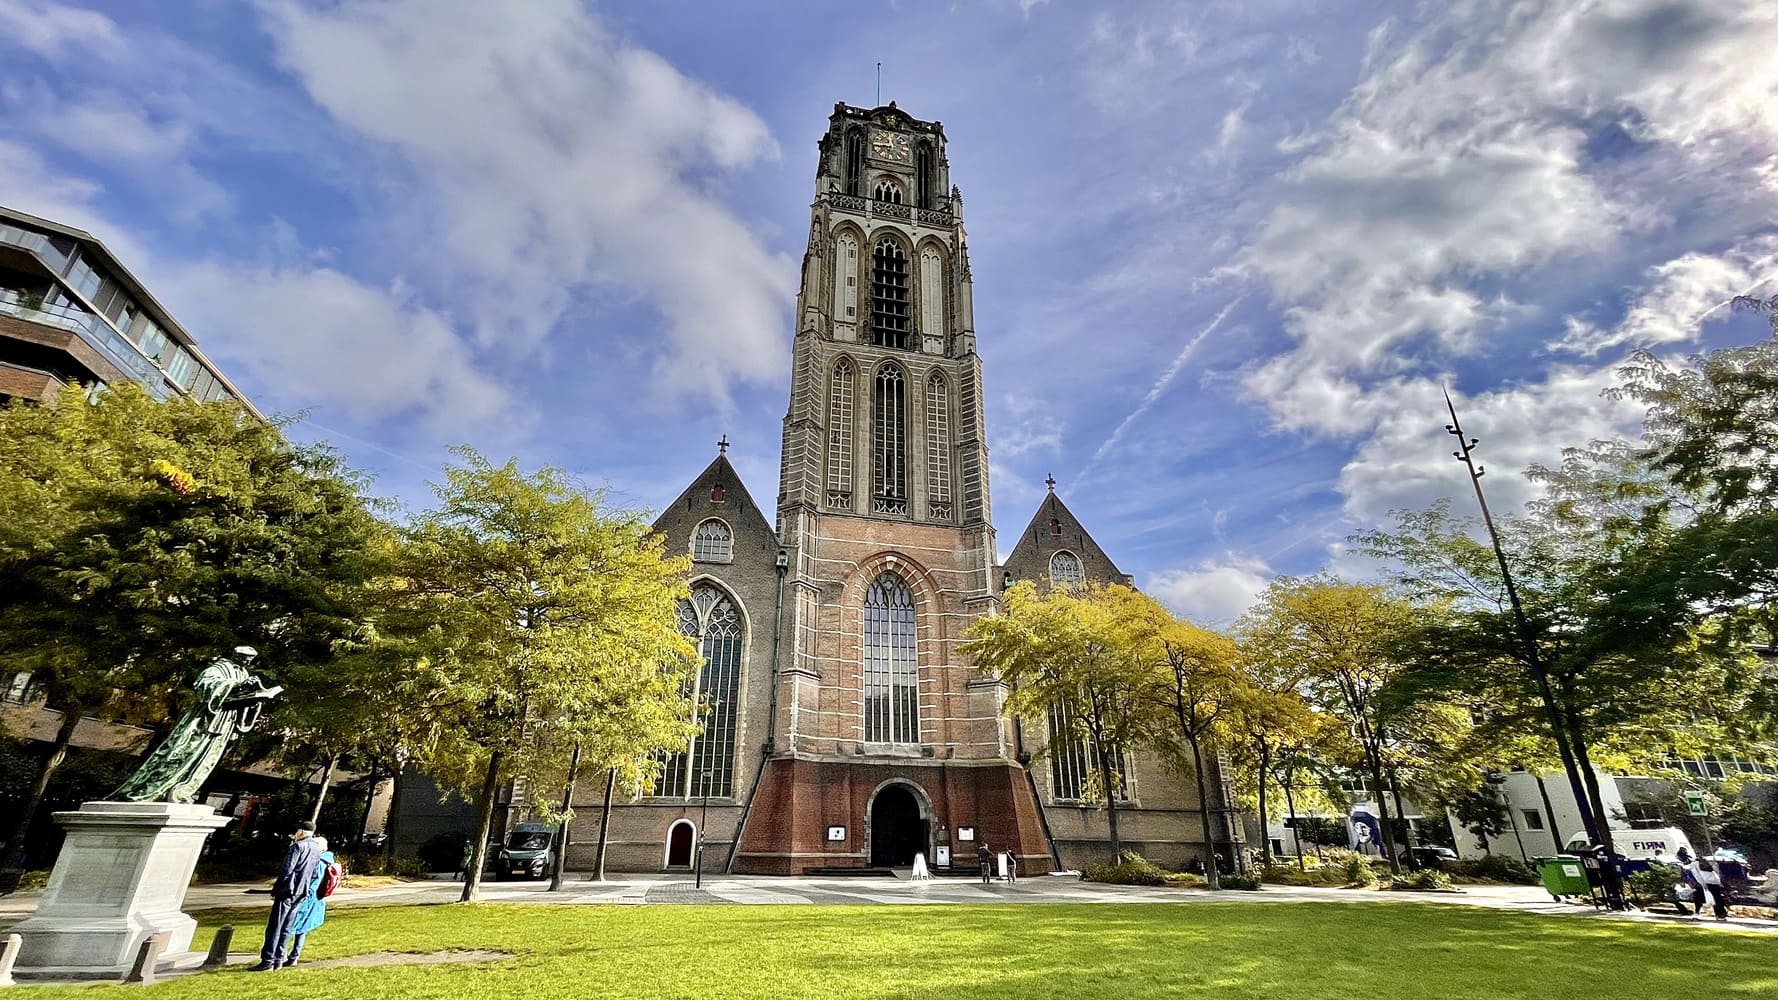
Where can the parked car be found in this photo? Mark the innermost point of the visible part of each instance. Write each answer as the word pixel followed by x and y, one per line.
pixel 1430 857
pixel 528 852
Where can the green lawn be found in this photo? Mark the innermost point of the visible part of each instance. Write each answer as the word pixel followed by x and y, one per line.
pixel 1243 951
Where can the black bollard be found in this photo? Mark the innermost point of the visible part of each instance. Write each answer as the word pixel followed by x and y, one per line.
pixel 148 957
pixel 218 957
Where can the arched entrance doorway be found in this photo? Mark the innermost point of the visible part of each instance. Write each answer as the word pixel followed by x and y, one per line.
pixel 897 829
pixel 679 840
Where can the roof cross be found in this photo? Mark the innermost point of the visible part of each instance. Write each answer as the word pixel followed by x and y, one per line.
pixel 722 446
pixel 1051 480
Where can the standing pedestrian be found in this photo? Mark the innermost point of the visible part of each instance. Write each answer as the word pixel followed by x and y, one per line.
pixel 311 910
pixel 468 858
pixel 985 858
pixel 1688 867
pixel 301 861
pixel 1012 867
pixel 1711 880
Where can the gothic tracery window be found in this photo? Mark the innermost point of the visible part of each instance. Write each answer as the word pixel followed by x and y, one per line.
pixel 854 167
pixel 891 663
pixel 925 175
pixel 889 442
pixel 1074 765
pixel 1066 570
pixel 707 766
pixel 712 542
pixel 938 446
pixel 839 437
pixel 889 191
pixel 889 295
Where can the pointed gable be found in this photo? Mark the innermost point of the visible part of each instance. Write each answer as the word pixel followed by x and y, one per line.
pixel 718 493
pixel 1054 529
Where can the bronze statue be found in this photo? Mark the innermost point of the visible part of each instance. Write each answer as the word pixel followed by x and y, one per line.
pixel 229 703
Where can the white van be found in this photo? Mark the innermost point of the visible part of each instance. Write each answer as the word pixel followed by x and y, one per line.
pixel 1640 845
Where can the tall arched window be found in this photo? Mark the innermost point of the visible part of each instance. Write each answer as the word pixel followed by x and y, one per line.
pixel 938 446
pixel 712 542
pixel 889 442
pixel 839 437
pixel 1065 569
pixel 854 169
pixel 889 295
pixel 707 767
pixel 1074 765
pixel 891 664
pixel 845 279
pixel 932 292
pixel 925 175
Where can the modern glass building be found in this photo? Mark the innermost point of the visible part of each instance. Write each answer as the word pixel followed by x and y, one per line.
pixel 70 313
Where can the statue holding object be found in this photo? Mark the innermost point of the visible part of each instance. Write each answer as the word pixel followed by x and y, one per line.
pixel 229 703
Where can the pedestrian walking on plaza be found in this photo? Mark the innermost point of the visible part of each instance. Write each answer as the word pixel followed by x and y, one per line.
pixel 1012 867
pixel 985 858
pixel 311 910
pixel 1711 880
pixel 468 857
pixel 1688 867
pixel 301 860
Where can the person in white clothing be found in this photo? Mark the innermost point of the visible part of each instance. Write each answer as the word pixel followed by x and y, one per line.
pixel 1711 881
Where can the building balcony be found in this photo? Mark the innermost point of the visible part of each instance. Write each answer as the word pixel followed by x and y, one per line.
pixel 21 382
pixel 891 210
pixel 95 334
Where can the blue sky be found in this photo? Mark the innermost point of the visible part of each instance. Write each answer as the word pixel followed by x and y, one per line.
pixel 1225 254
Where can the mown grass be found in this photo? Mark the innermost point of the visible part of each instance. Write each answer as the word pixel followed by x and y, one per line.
pixel 1111 951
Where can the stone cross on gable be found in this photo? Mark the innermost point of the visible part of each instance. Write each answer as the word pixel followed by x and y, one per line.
pixel 1051 480
pixel 722 446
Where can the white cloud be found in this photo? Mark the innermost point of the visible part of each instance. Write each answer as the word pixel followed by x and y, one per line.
pixel 52 29
pixel 1215 592
pixel 556 160
pixel 1680 296
pixel 1463 155
pixel 316 336
pixel 1032 428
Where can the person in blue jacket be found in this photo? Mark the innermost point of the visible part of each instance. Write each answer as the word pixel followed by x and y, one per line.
pixel 302 864
pixel 311 910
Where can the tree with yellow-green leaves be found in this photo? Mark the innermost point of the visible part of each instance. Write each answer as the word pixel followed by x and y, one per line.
pixel 140 539
pixel 1078 650
pixel 535 619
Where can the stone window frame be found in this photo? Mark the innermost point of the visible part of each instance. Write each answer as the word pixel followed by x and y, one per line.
pixel 713 553
pixel 1061 580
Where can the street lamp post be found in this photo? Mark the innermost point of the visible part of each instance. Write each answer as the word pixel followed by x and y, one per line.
pixel 1465 445
pixel 703 816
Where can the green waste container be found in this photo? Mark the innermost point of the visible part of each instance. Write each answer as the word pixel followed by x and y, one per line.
pixel 1564 876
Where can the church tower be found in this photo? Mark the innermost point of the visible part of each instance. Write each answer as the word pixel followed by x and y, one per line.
pixel 885 741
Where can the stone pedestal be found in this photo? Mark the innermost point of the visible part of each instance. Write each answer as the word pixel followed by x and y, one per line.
pixel 121 877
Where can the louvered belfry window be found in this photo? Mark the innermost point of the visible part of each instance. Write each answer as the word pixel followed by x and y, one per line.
pixel 889 442
pixel 889 295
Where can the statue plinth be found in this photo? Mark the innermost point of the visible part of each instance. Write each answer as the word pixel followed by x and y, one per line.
pixel 121 876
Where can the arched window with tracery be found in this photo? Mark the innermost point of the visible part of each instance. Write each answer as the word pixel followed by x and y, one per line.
pixel 889 191
pixel 938 446
pixel 712 542
pixel 932 292
pixel 854 166
pixel 889 295
pixel 839 437
pixel 1065 570
pixel 889 442
pixel 925 175
pixel 891 663
pixel 845 279
pixel 707 766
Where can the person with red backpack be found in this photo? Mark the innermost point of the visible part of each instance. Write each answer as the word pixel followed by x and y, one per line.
pixel 311 910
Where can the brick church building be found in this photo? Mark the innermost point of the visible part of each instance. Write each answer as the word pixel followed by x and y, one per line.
pixel 844 729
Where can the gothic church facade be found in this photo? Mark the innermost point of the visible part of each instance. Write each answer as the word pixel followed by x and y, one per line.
pixel 844 728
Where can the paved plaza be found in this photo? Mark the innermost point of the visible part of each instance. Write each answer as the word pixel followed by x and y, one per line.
pixel 635 890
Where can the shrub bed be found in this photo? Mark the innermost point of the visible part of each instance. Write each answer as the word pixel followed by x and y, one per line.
pixel 1133 869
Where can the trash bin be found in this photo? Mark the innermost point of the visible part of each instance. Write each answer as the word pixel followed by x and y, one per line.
pixel 1564 876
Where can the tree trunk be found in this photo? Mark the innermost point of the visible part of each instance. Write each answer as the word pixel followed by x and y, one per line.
pixel 561 859
pixel 1211 879
pixel 1407 825
pixel 1296 830
pixel 370 796
pixel 1549 814
pixel 604 825
pixel 1383 814
pixel 1117 848
pixel 58 752
pixel 321 795
pixel 484 824
pixel 1265 833
pixel 1590 779
pixel 392 825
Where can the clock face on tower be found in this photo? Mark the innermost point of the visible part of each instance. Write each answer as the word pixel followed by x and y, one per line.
pixel 890 145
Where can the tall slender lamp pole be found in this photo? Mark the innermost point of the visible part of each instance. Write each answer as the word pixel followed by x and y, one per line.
pixel 1465 446
pixel 703 816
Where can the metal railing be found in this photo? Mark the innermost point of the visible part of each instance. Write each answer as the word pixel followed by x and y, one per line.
pixel 36 243
pixel 98 334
